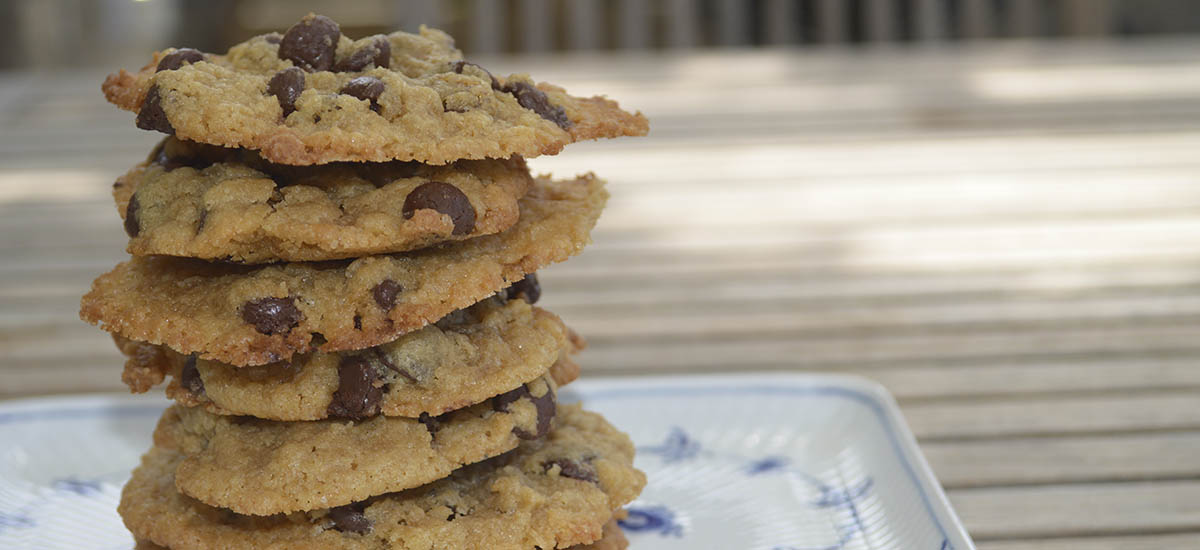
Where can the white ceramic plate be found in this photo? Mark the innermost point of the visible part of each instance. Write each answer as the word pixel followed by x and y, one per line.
pixel 762 462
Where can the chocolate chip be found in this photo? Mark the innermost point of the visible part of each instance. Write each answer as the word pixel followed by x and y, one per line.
pixel 286 85
pixel 385 294
pixel 193 155
pixel 544 404
pixel 502 401
pixel 378 51
pixel 572 469
pixel 189 378
pixel 535 100
pixel 546 408
pixel 365 87
pixel 359 392
pixel 272 315
pixel 432 423
pixel 273 38
pixel 203 219
pixel 132 225
pixel 178 58
pixel 358 322
pixel 459 65
pixel 151 116
pixel 444 198
pixel 527 288
pixel 350 519
pixel 312 43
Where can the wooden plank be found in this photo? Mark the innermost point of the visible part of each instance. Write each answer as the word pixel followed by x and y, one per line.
pixel 1087 510
pixel 683 24
pixel 1145 541
pixel 535 26
pixel 880 20
pixel 930 16
pixel 1024 19
pixel 732 22
pixel 488 26
pixel 978 19
pixel 634 29
pixel 410 15
pixel 831 21
pixel 1056 415
pixel 1065 460
pixel 584 24
pixel 1091 18
pixel 780 20
pixel 1034 377
pixel 630 354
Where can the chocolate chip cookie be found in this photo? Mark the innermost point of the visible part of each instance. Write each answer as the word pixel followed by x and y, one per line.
pixel 554 492
pixel 253 315
pixel 202 201
pixel 261 467
pixel 312 96
pixel 463 359
pixel 613 539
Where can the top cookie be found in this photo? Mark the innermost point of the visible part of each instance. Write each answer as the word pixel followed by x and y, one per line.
pixel 313 96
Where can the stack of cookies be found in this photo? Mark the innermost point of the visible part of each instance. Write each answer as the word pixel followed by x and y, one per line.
pixel 334 255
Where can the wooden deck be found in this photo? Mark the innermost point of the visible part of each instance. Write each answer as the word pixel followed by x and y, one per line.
pixel 1006 236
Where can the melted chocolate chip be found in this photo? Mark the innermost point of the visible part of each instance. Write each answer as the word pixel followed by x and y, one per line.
pixel 365 87
pixel 572 469
pixel 151 116
pixel 189 378
pixel 502 401
pixel 459 65
pixel 194 156
pixel 132 225
pixel 359 392
pixel 378 52
pixel 444 198
pixel 358 322
pixel 273 38
pixel 272 315
pixel 287 85
pixel 178 58
pixel 385 294
pixel 535 100
pixel 350 519
pixel 312 43
pixel 546 408
pixel 527 288
pixel 432 423
pixel 545 405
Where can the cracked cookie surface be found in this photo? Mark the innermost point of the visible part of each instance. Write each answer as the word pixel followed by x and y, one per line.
pixel 312 96
pixel 554 492
pixel 261 467
pixel 254 315
pixel 207 202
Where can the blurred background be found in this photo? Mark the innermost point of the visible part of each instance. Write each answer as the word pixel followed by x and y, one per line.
pixel 992 207
pixel 51 33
